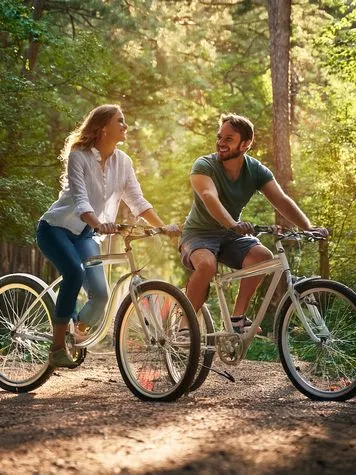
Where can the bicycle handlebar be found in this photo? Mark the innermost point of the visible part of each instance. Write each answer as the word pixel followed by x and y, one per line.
pixel 145 230
pixel 286 233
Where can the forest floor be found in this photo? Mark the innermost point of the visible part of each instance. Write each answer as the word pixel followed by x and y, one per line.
pixel 85 421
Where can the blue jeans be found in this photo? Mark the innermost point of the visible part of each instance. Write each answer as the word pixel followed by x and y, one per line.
pixel 67 251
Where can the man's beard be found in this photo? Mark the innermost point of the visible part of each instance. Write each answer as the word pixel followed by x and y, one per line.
pixel 235 154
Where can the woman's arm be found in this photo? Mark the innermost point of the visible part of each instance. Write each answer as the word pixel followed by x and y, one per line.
pixel 152 217
pixel 76 182
pixel 139 206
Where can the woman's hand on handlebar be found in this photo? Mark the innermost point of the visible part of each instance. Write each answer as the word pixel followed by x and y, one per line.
pixel 172 230
pixel 106 228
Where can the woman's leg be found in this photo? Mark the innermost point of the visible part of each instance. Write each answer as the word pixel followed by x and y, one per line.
pixel 94 282
pixel 57 245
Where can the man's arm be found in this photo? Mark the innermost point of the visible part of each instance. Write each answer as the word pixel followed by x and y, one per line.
pixel 285 205
pixel 204 186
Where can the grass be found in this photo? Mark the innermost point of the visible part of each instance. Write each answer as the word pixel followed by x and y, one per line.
pixel 262 349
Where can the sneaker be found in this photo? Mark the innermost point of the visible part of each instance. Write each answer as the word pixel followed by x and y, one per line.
pixel 60 359
pixel 242 323
pixel 81 332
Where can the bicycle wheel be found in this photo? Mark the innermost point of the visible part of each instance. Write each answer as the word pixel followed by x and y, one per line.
pixel 149 347
pixel 24 345
pixel 206 354
pixel 324 370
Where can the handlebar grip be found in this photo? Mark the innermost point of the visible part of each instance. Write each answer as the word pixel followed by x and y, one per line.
pixel 262 229
pixel 152 231
pixel 118 227
pixel 314 235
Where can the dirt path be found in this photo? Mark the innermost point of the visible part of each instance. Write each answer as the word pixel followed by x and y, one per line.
pixel 85 421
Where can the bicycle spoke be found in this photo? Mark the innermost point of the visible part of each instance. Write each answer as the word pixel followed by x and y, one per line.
pixel 325 370
pixel 154 364
pixel 24 342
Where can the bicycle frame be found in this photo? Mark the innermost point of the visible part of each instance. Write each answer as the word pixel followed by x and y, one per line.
pixel 277 266
pixel 101 259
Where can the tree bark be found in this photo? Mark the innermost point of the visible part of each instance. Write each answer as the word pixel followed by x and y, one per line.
pixel 28 259
pixel 324 264
pixel 34 44
pixel 279 20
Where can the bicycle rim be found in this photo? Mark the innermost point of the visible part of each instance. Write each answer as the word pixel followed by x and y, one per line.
pixel 324 370
pixel 156 362
pixel 24 348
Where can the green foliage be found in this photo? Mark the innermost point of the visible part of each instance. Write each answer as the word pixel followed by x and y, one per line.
pixel 262 349
pixel 21 203
pixel 324 140
pixel 337 41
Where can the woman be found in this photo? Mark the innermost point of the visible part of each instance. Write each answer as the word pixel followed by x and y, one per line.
pixel 97 177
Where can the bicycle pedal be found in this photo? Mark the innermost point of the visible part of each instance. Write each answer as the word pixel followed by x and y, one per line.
pixel 240 330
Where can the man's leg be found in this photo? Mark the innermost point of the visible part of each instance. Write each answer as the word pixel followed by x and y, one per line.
pixel 248 286
pixel 204 264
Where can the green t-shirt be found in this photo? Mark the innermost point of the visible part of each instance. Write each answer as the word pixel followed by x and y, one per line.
pixel 233 194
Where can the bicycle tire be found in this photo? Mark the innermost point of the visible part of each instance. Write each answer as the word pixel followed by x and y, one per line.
pixel 206 356
pixel 324 371
pixel 24 361
pixel 143 363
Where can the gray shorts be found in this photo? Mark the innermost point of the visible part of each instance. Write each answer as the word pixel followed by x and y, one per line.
pixel 228 247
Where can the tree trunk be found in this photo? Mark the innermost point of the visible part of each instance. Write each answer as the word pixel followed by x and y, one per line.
pixel 27 259
pixel 34 44
pixel 324 264
pixel 279 19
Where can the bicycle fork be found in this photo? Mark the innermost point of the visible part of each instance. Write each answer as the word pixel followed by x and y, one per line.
pixel 295 298
pixel 146 310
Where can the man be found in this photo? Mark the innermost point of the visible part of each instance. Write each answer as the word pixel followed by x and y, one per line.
pixel 223 183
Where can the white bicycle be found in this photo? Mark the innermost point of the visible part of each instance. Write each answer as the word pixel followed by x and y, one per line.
pixel 314 327
pixel 153 360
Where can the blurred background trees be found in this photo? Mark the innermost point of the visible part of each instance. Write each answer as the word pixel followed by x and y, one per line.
pixel 174 66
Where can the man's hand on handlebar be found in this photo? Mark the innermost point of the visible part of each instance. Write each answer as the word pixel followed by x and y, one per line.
pixel 244 227
pixel 322 232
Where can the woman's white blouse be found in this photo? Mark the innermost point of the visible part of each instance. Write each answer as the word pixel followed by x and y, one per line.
pixel 91 189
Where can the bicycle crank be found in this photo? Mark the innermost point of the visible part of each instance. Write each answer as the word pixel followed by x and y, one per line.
pixel 229 348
